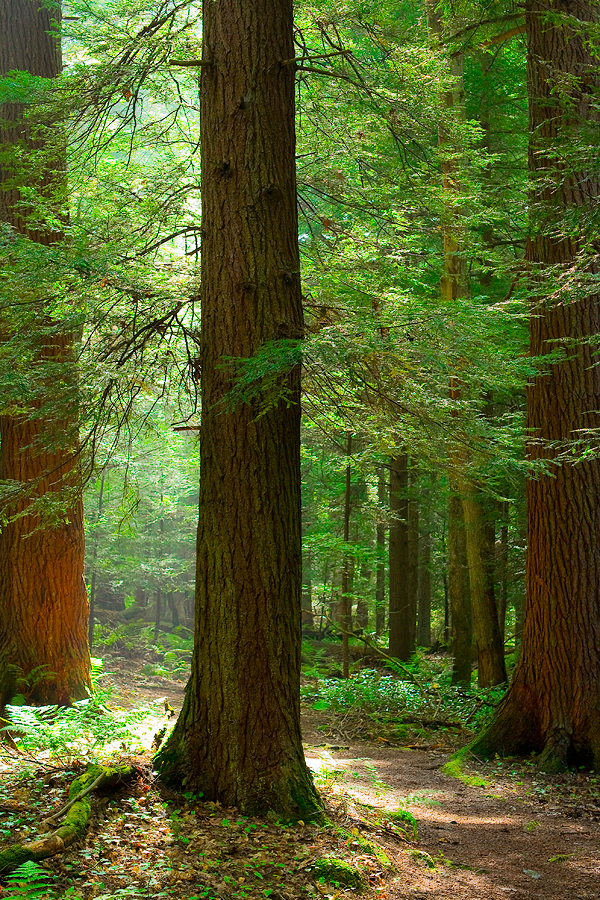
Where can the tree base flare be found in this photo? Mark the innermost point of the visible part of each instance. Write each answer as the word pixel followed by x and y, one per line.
pixel 518 729
pixel 289 793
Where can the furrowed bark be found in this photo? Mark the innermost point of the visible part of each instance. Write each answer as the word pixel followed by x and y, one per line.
pixel 459 595
pixel 43 601
pixel 553 704
pixel 237 739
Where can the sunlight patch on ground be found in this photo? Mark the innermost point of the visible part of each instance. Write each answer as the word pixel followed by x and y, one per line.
pixel 359 778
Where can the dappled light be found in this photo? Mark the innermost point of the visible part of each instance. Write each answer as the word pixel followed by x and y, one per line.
pixel 299 450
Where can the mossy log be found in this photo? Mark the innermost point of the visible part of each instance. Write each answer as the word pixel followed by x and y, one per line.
pixel 76 819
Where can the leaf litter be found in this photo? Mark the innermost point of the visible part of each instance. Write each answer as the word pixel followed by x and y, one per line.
pixel 401 827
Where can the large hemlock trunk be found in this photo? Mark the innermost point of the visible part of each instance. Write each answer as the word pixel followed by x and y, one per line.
pixel 554 702
pixel 238 736
pixel 43 601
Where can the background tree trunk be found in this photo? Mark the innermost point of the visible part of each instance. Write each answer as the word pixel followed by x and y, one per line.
pixel 237 738
pixel 424 595
pixel 399 600
pixel 413 559
pixel 92 598
pixel 502 568
pixel 552 705
pixel 491 669
pixel 307 607
pixel 347 570
pixel 380 572
pixel 43 598
pixel 459 595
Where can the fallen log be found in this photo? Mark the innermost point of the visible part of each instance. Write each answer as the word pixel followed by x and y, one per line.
pixel 76 821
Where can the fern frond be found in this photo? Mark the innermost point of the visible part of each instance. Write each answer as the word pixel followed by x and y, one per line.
pixel 29 881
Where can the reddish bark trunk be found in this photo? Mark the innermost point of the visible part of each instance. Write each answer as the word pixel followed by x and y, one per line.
pixel 553 704
pixel 238 736
pixel 43 600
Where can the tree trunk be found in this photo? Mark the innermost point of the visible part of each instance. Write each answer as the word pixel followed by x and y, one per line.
pixel 362 614
pixel 380 574
pixel 157 613
pixel 491 668
pixel 424 596
pixel 413 558
pixel 520 590
pixel 172 604
pixel 552 705
pixel 307 607
pixel 489 560
pixel 94 560
pixel 453 286
pixel 401 612
pixel 503 569
pixel 459 594
pixel 346 600
pixel 43 598
pixel 237 739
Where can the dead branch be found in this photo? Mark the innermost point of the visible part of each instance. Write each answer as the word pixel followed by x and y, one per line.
pixel 76 822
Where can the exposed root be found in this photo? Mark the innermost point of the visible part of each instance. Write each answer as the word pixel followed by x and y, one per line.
pixel 78 813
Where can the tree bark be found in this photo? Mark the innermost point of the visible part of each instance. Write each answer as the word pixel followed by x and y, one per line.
pixel 401 611
pixel 307 607
pixel 552 705
pixel 453 286
pixel 459 595
pixel 237 739
pixel 413 557
pixel 346 569
pixel 157 613
pixel 502 567
pixel 92 598
pixel 172 604
pixel 380 572
pixel 424 596
pixel 43 598
pixel 491 668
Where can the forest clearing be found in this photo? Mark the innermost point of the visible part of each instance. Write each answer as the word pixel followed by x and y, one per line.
pixel 299 449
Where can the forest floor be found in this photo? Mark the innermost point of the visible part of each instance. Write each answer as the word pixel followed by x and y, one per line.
pixel 504 831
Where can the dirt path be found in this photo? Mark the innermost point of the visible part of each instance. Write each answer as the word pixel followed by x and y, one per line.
pixel 519 835
pixel 516 837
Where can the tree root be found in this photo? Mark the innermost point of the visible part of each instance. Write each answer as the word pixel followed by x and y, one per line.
pixel 78 814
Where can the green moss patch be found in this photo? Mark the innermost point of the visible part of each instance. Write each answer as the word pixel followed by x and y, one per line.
pixel 454 768
pixel 422 857
pixel 361 845
pixel 338 872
